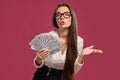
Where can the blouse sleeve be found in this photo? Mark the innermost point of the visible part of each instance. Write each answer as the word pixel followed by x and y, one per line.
pixel 36 64
pixel 77 66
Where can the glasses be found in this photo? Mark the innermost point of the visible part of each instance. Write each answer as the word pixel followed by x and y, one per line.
pixel 65 15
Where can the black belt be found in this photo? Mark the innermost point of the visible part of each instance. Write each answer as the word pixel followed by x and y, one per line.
pixel 46 71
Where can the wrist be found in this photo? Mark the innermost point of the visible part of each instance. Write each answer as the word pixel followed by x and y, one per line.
pixel 82 55
pixel 81 59
pixel 38 61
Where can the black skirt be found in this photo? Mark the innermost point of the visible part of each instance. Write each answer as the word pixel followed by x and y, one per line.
pixel 46 73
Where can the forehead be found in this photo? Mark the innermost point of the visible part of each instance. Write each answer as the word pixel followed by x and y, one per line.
pixel 63 9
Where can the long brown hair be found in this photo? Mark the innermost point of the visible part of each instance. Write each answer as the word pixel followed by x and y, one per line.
pixel 72 52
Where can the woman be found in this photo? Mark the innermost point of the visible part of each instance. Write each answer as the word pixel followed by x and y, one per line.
pixel 63 64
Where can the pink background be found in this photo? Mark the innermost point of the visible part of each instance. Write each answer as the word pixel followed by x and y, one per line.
pixel 21 20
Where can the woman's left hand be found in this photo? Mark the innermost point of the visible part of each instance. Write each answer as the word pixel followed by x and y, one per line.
pixel 89 50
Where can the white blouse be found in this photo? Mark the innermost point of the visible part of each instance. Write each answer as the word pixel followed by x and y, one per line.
pixel 57 60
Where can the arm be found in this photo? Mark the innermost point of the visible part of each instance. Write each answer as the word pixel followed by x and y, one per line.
pixel 78 65
pixel 79 61
pixel 83 53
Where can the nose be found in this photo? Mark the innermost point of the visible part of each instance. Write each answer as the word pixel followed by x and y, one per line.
pixel 61 17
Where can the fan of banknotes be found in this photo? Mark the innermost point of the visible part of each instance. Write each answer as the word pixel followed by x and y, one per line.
pixel 46 40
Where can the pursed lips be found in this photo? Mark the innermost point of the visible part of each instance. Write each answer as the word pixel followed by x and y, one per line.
pixel 62 22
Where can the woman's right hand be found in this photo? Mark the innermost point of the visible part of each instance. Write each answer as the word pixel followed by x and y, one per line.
pixel 41 54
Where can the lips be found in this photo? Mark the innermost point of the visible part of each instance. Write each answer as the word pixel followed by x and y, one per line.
pixel 62 22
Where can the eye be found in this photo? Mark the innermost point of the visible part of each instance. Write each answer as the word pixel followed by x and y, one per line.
pixel 67 14
pixel 57 14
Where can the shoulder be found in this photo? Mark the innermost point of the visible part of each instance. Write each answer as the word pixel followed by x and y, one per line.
pixel 79 39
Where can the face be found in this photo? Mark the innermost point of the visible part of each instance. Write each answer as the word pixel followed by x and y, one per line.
pixel 63 17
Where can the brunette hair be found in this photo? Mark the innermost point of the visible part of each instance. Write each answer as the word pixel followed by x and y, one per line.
pixel 72 52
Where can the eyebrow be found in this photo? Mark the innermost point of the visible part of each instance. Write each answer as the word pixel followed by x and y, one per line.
pixel 63 12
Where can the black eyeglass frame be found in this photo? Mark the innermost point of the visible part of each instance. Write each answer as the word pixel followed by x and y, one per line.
pixel 63 15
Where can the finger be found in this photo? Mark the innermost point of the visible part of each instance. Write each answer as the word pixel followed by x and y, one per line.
pixel 45 56
pixel 42 53
pixel 97 51
pixel 100 51
pixel 91 46
pixel 42 56
pixel 44 49
pixel 45 53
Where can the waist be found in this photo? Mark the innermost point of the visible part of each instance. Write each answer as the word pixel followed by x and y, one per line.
pixel 49 71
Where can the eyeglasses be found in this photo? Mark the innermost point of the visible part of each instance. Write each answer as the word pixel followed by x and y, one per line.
pixel 65 15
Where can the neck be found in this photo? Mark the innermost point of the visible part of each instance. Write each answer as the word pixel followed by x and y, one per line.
pixel 62 33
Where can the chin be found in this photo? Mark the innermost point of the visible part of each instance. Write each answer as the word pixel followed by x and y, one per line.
pixel 64 26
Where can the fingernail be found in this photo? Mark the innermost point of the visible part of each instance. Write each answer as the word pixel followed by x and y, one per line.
pixel 92 45
pixel 101 51
pixel 46 49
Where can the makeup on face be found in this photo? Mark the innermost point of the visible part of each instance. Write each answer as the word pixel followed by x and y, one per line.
pixel 63 16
